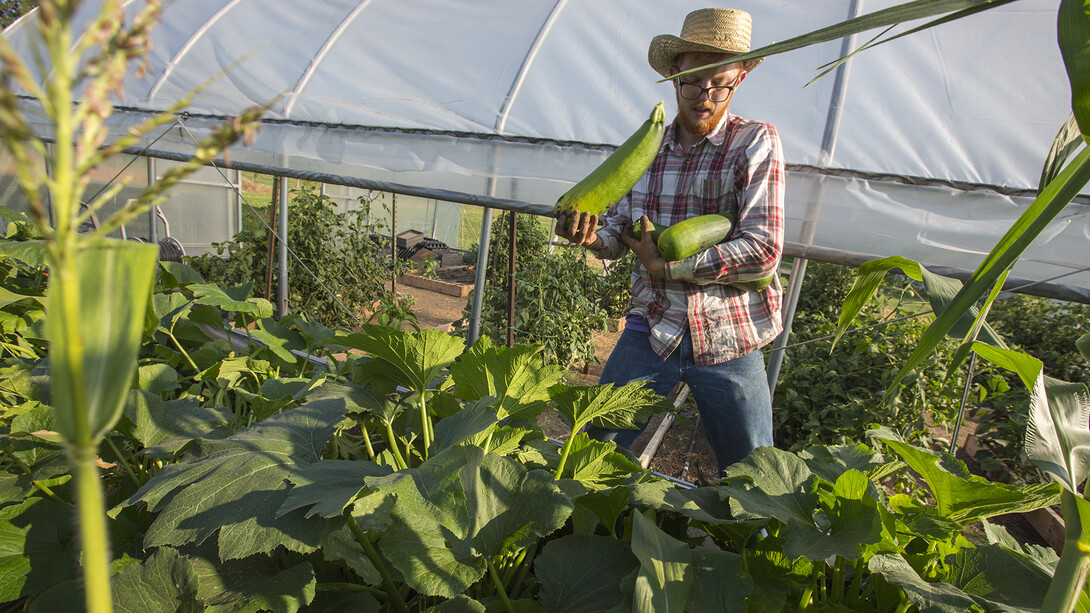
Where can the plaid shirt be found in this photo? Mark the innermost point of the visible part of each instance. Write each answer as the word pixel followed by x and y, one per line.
pixel 737 170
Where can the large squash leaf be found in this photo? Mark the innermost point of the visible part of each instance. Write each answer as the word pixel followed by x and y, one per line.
pixel 459 507
pixel 235 486
pixel 626 406
pixel 164 583
pixel 514 375
pixel 584 574
pixel 416 357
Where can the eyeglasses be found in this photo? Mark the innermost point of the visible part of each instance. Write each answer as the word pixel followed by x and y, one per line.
pixel 716 93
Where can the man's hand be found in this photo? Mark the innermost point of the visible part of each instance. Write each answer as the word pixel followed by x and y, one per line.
pixel 646 250
pixel 577 227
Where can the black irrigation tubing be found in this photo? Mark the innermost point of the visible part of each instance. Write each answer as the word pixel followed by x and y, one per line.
pixel 298 260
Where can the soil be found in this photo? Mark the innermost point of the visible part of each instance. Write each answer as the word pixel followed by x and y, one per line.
pixel 684 452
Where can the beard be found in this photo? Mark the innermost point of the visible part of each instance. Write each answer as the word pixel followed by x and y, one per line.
pixel 701 126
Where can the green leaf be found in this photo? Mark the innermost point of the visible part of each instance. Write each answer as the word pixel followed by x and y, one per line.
pixel 157 378
pixel 597 464
pixel 997 578
pixel 166 582
pixel 460 506
pixel 721 582
pixel 607 505
pixel 31 253
pixel 513 375
pixel 829 462
pixel 177 274
pixel 232 299
pixel 584 574
pixel 1057 438
pixel 1050 201
pixel 111 289
pixel 328 486
pixel 341 546
pixel 1084 346
pixel 929 597
pixel 1073 34
pixel 234 487
pixel 38 547
pixel 964 497
pixel 901 13
pixel 255 584
pixel 165 426
pixel 475 418
pixel 279 339
pixel 666 572
pixel 701 504
pixel 459 604
pixel 1066 142
pixel 418 357
pixel 627 406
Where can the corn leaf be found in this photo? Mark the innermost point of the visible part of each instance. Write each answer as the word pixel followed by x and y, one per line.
pixel 234 487
pixel 1029 225
pixel 1057 438
pixel 114 282
pixel 963 497
pixel 1084 346
pixel 582 573
pixel 1067 140
pixel 1073 33
pixel 901 13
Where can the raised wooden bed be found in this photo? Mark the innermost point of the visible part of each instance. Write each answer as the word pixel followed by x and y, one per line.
pixel 460 290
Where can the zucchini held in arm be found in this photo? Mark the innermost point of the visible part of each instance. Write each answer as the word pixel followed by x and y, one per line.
pixel 617 175
pixel 691 236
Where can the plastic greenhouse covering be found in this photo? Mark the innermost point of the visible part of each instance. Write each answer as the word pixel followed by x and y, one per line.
pixel 927 147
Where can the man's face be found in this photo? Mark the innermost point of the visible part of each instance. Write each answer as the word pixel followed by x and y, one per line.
pixel 700 117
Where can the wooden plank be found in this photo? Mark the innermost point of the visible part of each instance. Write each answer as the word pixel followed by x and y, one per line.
pixel 677 396
pixel 436 285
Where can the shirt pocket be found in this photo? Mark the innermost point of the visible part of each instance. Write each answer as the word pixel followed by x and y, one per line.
pixel 712 195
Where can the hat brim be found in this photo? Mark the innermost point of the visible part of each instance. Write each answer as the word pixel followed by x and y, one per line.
pixel 665 47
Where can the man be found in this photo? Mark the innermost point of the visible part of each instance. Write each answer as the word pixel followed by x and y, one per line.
pixel 685 321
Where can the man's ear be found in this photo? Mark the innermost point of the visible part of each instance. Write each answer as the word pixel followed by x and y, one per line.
pixel 741 77
pixel 672 70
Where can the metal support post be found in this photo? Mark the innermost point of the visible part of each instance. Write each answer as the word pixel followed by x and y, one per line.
pixel 282 298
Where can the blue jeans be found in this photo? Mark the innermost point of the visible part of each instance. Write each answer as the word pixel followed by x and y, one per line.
pixel 732 397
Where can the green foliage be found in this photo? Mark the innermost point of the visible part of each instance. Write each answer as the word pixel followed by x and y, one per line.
pixel 830 394
pixel 554 304
pixel 10 10
pixel 336 263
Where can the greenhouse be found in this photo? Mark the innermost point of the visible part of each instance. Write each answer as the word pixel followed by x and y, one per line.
pixel 263 458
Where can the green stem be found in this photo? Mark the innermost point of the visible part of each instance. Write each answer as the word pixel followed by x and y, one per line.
pixel 904 605
pixel 393 596
pixel 177 344
pixel 854 595
pixel 50 493
pixel 93 536
pixel 392 440
pixel 564 451
pixel 367 442
pixel 499 585
pixel 807 595
pixel 526 563
pixel 1070 576
pixel 425 424
pixel 838 581
pixel 122 462
pixel 344 586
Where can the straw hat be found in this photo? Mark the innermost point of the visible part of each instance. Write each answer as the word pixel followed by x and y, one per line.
pixel 712 30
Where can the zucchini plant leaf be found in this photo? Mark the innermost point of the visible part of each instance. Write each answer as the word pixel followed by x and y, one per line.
pixel 584 574
pixel 112 290
pixel 963 497
pixel 721 582
pixel 234 487
pixel 164 583
pixel 460 506
pixel 702 504
pixel 232 299
pixel 328 486
pixel 597 464
pixel 514 375
pixel 164 426
pixel 31 253
pixel 773 483
pixel 996 578
pixel 1083 345
pixel 933 597
pixel 1057 438
pixel 609 406
pixel 177 275
pixel 38 547
pixel 477 417
pixel 666 572
pixel 255 584
pixel 829 462
pixel 157 379
pixel 418 357
pixel 279 339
